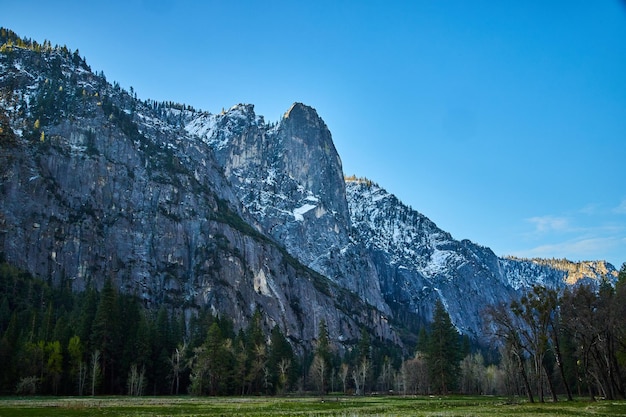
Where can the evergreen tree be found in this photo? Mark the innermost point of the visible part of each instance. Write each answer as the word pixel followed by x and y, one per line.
pixel 422 340
pixel 86 313
pixel 320 366
pixel 220 360
pixel 255 353
pixel 323 342
pixel 280 359
pixel 364 345
pixel 106 335
pixel 443 351
pixel 9 345
pixel 161 348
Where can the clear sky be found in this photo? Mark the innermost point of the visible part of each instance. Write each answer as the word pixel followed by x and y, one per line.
pixel 504 122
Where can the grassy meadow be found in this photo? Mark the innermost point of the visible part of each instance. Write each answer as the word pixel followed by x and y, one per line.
pixel 301 406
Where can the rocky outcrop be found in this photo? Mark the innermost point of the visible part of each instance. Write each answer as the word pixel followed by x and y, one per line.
pixel 419 263
pixel 289 179
pixel 225 211
pixel 96 184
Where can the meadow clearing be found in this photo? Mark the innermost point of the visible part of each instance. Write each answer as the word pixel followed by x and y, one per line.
pixel 395 406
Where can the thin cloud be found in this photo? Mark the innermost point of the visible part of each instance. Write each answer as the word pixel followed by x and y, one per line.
pixel 545 224
pixel 574 249
pixel 595 234
pixel 621 209
pixel 591 209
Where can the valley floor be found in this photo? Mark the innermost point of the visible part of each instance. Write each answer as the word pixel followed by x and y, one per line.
pixel 302 406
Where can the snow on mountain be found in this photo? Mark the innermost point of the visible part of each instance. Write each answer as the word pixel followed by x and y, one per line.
pixel 204 208
pixel 289 179
pixel 97 184
pixel 418 263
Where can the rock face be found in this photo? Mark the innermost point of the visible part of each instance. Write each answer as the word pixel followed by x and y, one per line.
pixel 418 263
pixel 96 184
pixel 290 181
pixel 226 211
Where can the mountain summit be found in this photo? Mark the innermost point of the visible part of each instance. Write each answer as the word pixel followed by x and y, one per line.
pixel 224 211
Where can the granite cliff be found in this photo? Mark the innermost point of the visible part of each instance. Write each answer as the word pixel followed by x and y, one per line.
pixel 194 209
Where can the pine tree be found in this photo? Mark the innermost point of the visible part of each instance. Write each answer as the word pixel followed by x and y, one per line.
pixel 443 351
pixel 161 349
pixel 321 361
pixel 86 312
pixel 280 358
pixel 323 342
pixel 106 335
pixel 364 345
pixel 9 346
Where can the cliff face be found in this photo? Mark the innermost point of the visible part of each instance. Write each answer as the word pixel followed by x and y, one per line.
pixel 225 211
pixel 289 179
pixel 96 184
pixel 419 263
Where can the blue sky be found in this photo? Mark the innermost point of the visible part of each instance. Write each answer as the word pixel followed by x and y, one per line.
pixel 504 122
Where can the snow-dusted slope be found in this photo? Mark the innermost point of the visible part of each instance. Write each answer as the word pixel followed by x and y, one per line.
pixel 96 184
pixel 199 208
pixel 289 178
pixel 418 263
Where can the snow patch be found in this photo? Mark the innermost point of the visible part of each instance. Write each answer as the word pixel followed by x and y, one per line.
pixel 438 262
pixel 298 213
pixel 202 126
pixel 271 176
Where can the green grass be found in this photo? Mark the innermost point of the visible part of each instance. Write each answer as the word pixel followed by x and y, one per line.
pixel 301 406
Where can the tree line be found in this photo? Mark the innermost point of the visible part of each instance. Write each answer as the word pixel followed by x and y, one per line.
pixel 57 341
pixel 10 39
pixel 571 342
pixel 545 344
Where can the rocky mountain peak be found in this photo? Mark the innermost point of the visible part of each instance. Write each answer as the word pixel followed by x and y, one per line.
pixel 419 263
pixel 241 111
pixel 300 112
pixel 225 211
pixel 96 184
pixel 309 154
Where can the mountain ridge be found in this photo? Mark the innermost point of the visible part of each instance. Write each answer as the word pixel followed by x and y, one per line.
pixel 224 210
pixel 111 189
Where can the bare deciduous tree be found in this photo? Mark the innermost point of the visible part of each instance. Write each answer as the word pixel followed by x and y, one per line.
pixel 414 375
pixel 318 373
pixel 359 375
pixel 136 380
pixel 283 373
pixel 178 366
pixel 343 374
pixel 505 328
pixel 95 371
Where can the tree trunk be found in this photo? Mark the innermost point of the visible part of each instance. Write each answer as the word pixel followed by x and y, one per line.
pixel 559 362
pixel 550 385
pixel 539 376
pixel 522 370
pixel 588 376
